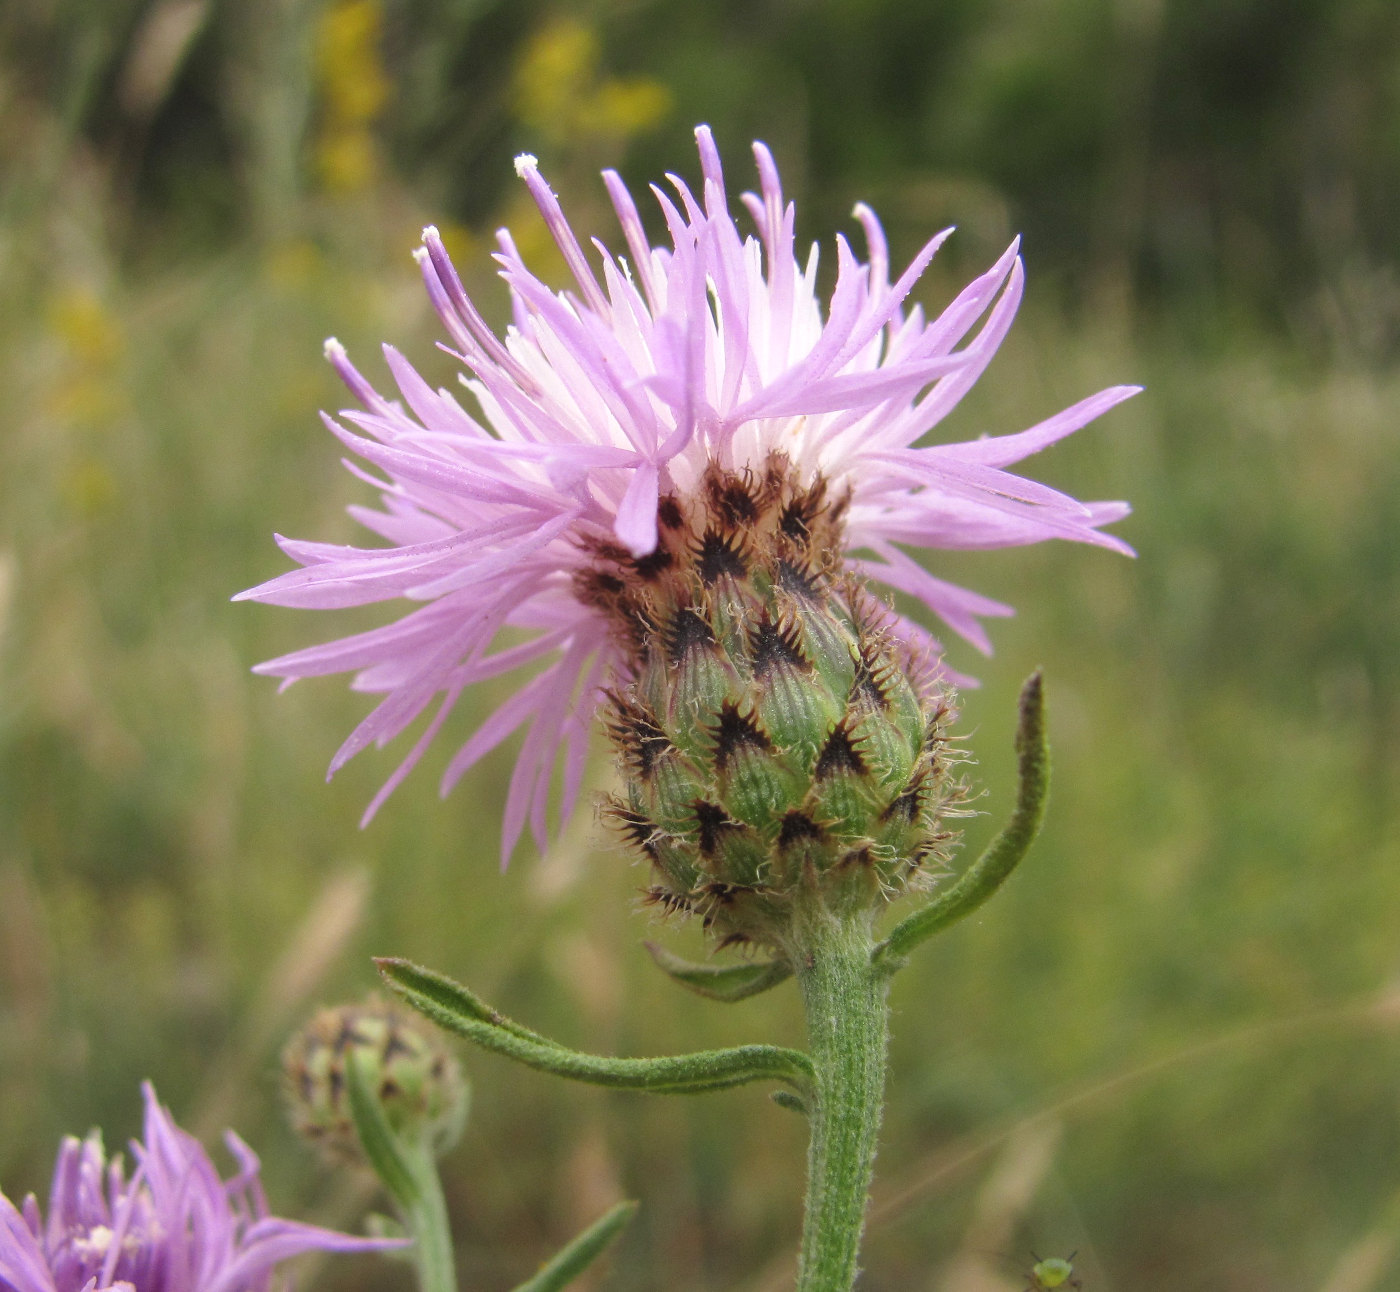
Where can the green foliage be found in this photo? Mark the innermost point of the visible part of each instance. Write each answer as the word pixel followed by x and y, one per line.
pixel 731 982
pixel 991 870
pixel 582 1251
pixel 453 1007
pixel 1241 152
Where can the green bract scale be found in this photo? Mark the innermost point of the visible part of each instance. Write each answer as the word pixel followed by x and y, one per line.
pixel 776 736
pixel 418 1083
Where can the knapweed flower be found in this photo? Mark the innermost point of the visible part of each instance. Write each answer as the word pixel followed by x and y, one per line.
pixel 174 1226
pixel 648 417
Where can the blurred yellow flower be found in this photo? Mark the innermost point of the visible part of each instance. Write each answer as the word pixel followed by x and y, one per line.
pixel 77 317
pixel 348 67
pixel 558 65
pixel 559 95
pixel 628 107
pixel 91 342
pixel 353 90
pixel 347 160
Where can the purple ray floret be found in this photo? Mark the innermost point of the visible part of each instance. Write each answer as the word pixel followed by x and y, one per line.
pixel 174 1226
pixel 598 401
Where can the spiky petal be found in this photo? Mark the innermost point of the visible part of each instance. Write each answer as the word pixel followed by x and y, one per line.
pixel 174 1226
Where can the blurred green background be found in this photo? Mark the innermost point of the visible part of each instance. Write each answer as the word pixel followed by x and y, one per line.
pixel 1173 1043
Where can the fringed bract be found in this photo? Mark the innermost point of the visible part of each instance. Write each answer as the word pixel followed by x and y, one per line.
pixel 775 735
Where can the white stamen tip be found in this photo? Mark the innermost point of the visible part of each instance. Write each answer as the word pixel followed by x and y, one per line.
pixel 431 234
pixel 420 254
pixel 332 349
pixel 525 163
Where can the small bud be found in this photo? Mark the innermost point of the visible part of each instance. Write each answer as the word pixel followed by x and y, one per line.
pixel 419 1084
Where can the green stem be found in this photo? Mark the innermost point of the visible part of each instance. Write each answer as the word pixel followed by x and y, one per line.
pixel 407 1168
pixel 844 996
pixel 426 1219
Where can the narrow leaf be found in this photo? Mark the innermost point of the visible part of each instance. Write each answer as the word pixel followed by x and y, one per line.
pixel 721 982
pixel 382 1147
pixel 452 1006
pixel 582 1251
pixel 1003 854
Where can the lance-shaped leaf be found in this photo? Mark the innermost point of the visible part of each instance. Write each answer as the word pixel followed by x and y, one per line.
pixel 581 1252
pixel 1003 854
pixel 387 1154
pixel 452 1006
pixel 721 982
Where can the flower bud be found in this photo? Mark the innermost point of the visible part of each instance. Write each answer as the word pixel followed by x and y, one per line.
pixel 419 1084
pixel 775 735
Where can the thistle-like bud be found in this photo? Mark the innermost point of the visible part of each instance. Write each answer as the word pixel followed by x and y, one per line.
pixel 419 1084
pixel 776 736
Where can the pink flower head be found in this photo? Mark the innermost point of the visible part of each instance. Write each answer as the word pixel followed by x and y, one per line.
pixel 175 1226
pixel 599 401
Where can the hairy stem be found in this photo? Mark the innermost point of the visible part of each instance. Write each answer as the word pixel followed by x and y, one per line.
pixel 426 1219
pixel 844 997
pixel 407 1167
